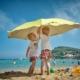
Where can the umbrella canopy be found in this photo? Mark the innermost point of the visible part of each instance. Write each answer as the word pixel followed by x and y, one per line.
pixel 57 26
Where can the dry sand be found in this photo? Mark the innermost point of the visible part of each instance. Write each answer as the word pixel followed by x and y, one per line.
pixel 59 74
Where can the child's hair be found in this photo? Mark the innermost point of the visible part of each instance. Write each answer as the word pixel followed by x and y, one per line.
pixel 29 35
pixel 44 29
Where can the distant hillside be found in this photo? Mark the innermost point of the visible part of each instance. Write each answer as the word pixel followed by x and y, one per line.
pixel 59 52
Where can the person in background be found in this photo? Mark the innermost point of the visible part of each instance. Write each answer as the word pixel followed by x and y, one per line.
pixel 54 62
pixel 14 62
pixel 78 62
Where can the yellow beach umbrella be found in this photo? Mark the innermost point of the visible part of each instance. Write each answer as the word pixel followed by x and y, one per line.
pixel 56 25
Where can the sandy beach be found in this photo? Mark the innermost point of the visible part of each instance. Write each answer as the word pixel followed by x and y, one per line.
pixel 59 74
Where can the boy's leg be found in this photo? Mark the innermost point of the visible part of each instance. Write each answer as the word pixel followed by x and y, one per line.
pixel 31 69
pixel 34 63
pixel 48 67
pixel 42 65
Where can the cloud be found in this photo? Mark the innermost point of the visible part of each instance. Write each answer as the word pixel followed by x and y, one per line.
pixel 62 14
pixel 5 22
pixel 74 9
pixel 74 32
pixel 8 23
pixel 70 11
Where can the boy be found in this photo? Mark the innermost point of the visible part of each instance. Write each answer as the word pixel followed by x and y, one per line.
pixel 32 51
pixel 46 48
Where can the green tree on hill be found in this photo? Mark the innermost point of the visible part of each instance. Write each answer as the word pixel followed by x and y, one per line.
pixel 59 52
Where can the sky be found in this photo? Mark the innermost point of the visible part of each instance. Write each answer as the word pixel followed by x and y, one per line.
pixel 13 13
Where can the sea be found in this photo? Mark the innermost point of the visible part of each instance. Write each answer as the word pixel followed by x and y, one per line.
pixel 24 64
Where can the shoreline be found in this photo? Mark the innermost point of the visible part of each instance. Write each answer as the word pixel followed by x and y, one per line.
pixel 60 67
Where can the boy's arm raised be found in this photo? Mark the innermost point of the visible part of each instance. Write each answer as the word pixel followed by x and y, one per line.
pixel 39 31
